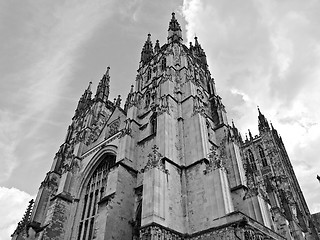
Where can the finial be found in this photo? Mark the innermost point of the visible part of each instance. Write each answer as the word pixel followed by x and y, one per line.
pixel 89 87
pixel 258 109
pixel 173 15
pixel 250 135
pixel 149 37
pixel 118 101
pixel 107 72
pixel 131 90
pixel 157 46
pixel 196 41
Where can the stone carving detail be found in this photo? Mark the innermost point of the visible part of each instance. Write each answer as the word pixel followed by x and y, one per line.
pixel 217 157
pixel 127 129
pixel 166 77
pixel 164 105
pixel 114 127
pixel 215 160
pixel 156 232
pixel 109 140
pixel 178 82
pixel 155 161
pixel 250 234
pixel 51 181
pixel 198 106
pixel 176 55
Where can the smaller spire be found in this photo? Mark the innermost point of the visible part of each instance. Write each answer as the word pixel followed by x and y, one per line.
pixel 250 135
pixel 118 101
pixel 157 47
pixel 87 93
pixel 233 126
pixel 262 122
pixel 85 100
pixel 174 30
pixel 89 86
pixel 107 72
pixel 147 50
pixel 196 43
pixel 103 88
pixel 198 52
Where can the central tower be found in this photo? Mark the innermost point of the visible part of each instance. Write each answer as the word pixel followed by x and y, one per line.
pixel 167 165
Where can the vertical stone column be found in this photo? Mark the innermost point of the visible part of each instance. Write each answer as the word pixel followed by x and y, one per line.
pixel 154 187
pixel 219 192
pixel 57 218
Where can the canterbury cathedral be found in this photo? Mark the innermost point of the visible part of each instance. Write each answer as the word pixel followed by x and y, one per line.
pixel 165 163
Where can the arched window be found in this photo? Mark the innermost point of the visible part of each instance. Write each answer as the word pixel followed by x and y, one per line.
pixel 93 192
pixel 251 160
pixel 153 124
pixel 149 74
pixel 163 64
pixel 262 156
pixel 147 99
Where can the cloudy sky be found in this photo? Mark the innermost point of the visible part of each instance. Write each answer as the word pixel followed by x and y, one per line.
pixel 264 53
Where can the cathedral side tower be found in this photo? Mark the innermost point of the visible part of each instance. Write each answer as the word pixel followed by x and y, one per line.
pixel 268 164
pixel 167 165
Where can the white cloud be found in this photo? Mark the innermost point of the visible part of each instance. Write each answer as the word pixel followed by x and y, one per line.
pixel 48 55
pixel 13 203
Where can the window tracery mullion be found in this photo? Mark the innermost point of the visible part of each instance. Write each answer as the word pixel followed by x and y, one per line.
pixel 92 195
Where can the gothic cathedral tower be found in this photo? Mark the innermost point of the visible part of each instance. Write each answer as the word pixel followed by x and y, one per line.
pixel 167 165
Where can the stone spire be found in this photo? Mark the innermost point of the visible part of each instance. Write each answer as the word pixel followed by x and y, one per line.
pixel 147 50
pixel 102 93
pixel 174 31
pixel 157 47
pixel 22 225
pixel 198 52
pixel 262 122
pixel 85 100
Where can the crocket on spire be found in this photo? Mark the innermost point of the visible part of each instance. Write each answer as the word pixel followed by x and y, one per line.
pixel 174 30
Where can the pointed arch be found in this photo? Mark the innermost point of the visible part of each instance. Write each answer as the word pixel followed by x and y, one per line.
pixel 251 160
pixel 90 191
pixel 153 123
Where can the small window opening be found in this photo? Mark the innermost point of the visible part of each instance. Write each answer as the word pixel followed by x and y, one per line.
pixel 163 64
pixel 251 160
pixel 263 157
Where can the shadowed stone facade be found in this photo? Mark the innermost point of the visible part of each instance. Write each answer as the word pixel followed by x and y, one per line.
pixel 167 165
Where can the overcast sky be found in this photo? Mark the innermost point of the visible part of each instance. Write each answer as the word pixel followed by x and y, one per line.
pixel 264 53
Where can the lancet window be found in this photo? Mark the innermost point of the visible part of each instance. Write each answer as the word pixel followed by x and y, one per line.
pixel 93 192
pixel 262 156
pixel 149 74
pixel 251 160
pixel 163 64
pixel 153 124
pixel 147 99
